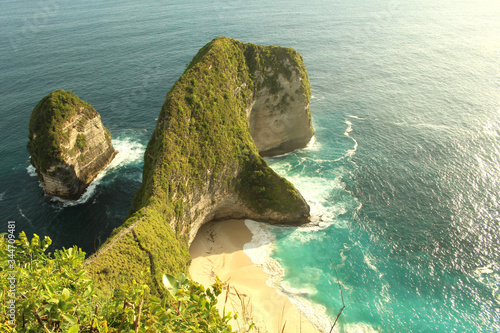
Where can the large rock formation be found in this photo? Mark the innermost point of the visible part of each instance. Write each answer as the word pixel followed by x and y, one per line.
pixel 202 164
pixel 68 144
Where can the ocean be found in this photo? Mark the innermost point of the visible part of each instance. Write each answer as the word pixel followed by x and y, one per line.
pixel 402 176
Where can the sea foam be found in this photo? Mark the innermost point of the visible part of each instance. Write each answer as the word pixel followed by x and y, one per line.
pixel 259 250
pixel 359 328
pixel 31 171
pixel 350 153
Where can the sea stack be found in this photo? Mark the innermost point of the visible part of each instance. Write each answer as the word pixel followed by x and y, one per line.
pixel 68 144
pixel 279 116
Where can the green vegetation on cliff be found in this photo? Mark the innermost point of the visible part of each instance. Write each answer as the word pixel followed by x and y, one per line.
pixel 273 61
pixel 46 132
pixel 201 145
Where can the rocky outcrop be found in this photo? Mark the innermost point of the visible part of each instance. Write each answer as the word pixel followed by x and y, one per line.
pixel 68 144
pixel 202 162
pixel 279 118
pixel 226 203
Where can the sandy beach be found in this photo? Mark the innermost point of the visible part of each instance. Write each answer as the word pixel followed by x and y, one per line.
pixel 218 250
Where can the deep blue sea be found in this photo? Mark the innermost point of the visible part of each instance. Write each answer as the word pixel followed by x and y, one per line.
pixel 402 177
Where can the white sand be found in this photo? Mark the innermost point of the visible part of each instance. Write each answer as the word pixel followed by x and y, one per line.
pixel 218 250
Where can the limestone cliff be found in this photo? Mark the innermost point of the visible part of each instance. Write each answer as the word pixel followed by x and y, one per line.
pixel 202 164
pixel 68 144
pixel 279 116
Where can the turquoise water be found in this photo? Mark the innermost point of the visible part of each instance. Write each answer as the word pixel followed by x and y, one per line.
pixel 402 177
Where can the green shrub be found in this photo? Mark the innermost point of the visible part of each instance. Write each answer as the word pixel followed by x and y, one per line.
pixel 81 142
pixel 53 293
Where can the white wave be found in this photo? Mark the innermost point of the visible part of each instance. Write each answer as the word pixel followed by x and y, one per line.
pixel 306 289
pixel 22 213
pixel 350 153
pixel 369 261
pixel 24 216
pixel 488 269
pixel 359 328
pixel 306 234
pixel 320 98
pixel 2 195
pixel 355 117
pixel 313 144
pixel 27 219
pixel 130 151
pixel 349 128
pixel 385 294
pixel 315 313
pixel 314 189
pixel 31 171
pixel 317 192
pixel 259 250
pixel 343 257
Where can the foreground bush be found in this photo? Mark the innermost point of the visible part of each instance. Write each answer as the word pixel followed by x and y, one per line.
pixel 51 292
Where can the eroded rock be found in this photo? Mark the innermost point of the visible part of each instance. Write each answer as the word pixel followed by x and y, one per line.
pixel 68 144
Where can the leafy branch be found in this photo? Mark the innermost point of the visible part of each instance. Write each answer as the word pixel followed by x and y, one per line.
pixel 53 294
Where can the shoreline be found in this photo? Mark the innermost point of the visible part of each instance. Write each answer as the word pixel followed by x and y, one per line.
pixel 218 250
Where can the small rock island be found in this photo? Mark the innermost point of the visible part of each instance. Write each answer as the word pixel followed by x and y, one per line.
pixel 68 144
pixel 235 103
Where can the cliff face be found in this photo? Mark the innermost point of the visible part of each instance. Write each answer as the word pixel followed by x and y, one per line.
pixel 68 144
pixel 202 164
pixel 279 117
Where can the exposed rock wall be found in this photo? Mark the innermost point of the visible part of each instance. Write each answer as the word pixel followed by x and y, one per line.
pixel 69 145
pixel 281 122
pixel 224 203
